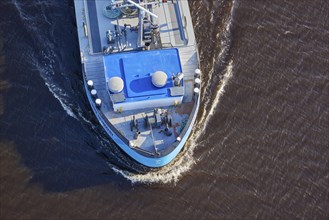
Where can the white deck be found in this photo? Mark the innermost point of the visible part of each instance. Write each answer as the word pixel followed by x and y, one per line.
pixel 150 139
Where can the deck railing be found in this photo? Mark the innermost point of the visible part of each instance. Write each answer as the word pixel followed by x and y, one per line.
pixel 180 17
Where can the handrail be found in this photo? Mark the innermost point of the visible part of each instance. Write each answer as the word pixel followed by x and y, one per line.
pixel 183 17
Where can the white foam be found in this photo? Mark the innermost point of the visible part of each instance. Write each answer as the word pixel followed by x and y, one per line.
pixel 220 91
pixel 56 93
pixel 168 174
pixel 225 47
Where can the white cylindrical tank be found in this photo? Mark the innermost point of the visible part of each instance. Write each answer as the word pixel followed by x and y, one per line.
pixel 115 84
pixel 98 102
pixel 90 84
pixel 196 90
pixel 93 93
pixel 197 73
pixel 159 79
pixel 197 82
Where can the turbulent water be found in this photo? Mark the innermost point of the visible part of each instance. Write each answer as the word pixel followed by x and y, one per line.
pixel 260 147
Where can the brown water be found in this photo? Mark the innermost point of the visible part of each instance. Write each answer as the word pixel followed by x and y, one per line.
pixel 260 148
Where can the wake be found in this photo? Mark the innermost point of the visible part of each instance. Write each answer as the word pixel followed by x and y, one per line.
pixel 210 101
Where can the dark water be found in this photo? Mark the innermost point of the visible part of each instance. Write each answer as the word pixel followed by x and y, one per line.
pixel 260 148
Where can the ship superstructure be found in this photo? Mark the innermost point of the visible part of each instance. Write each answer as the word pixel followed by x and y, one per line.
pixel 141 73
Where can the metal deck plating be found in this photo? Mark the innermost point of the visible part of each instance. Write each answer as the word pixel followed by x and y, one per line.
pixel 144 139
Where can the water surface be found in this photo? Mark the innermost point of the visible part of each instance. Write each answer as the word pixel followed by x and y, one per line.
pixel 260 147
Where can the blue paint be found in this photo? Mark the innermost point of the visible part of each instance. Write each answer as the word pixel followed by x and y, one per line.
pixel 136 69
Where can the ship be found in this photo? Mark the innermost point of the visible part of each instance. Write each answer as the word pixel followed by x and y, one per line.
pixel 141 74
